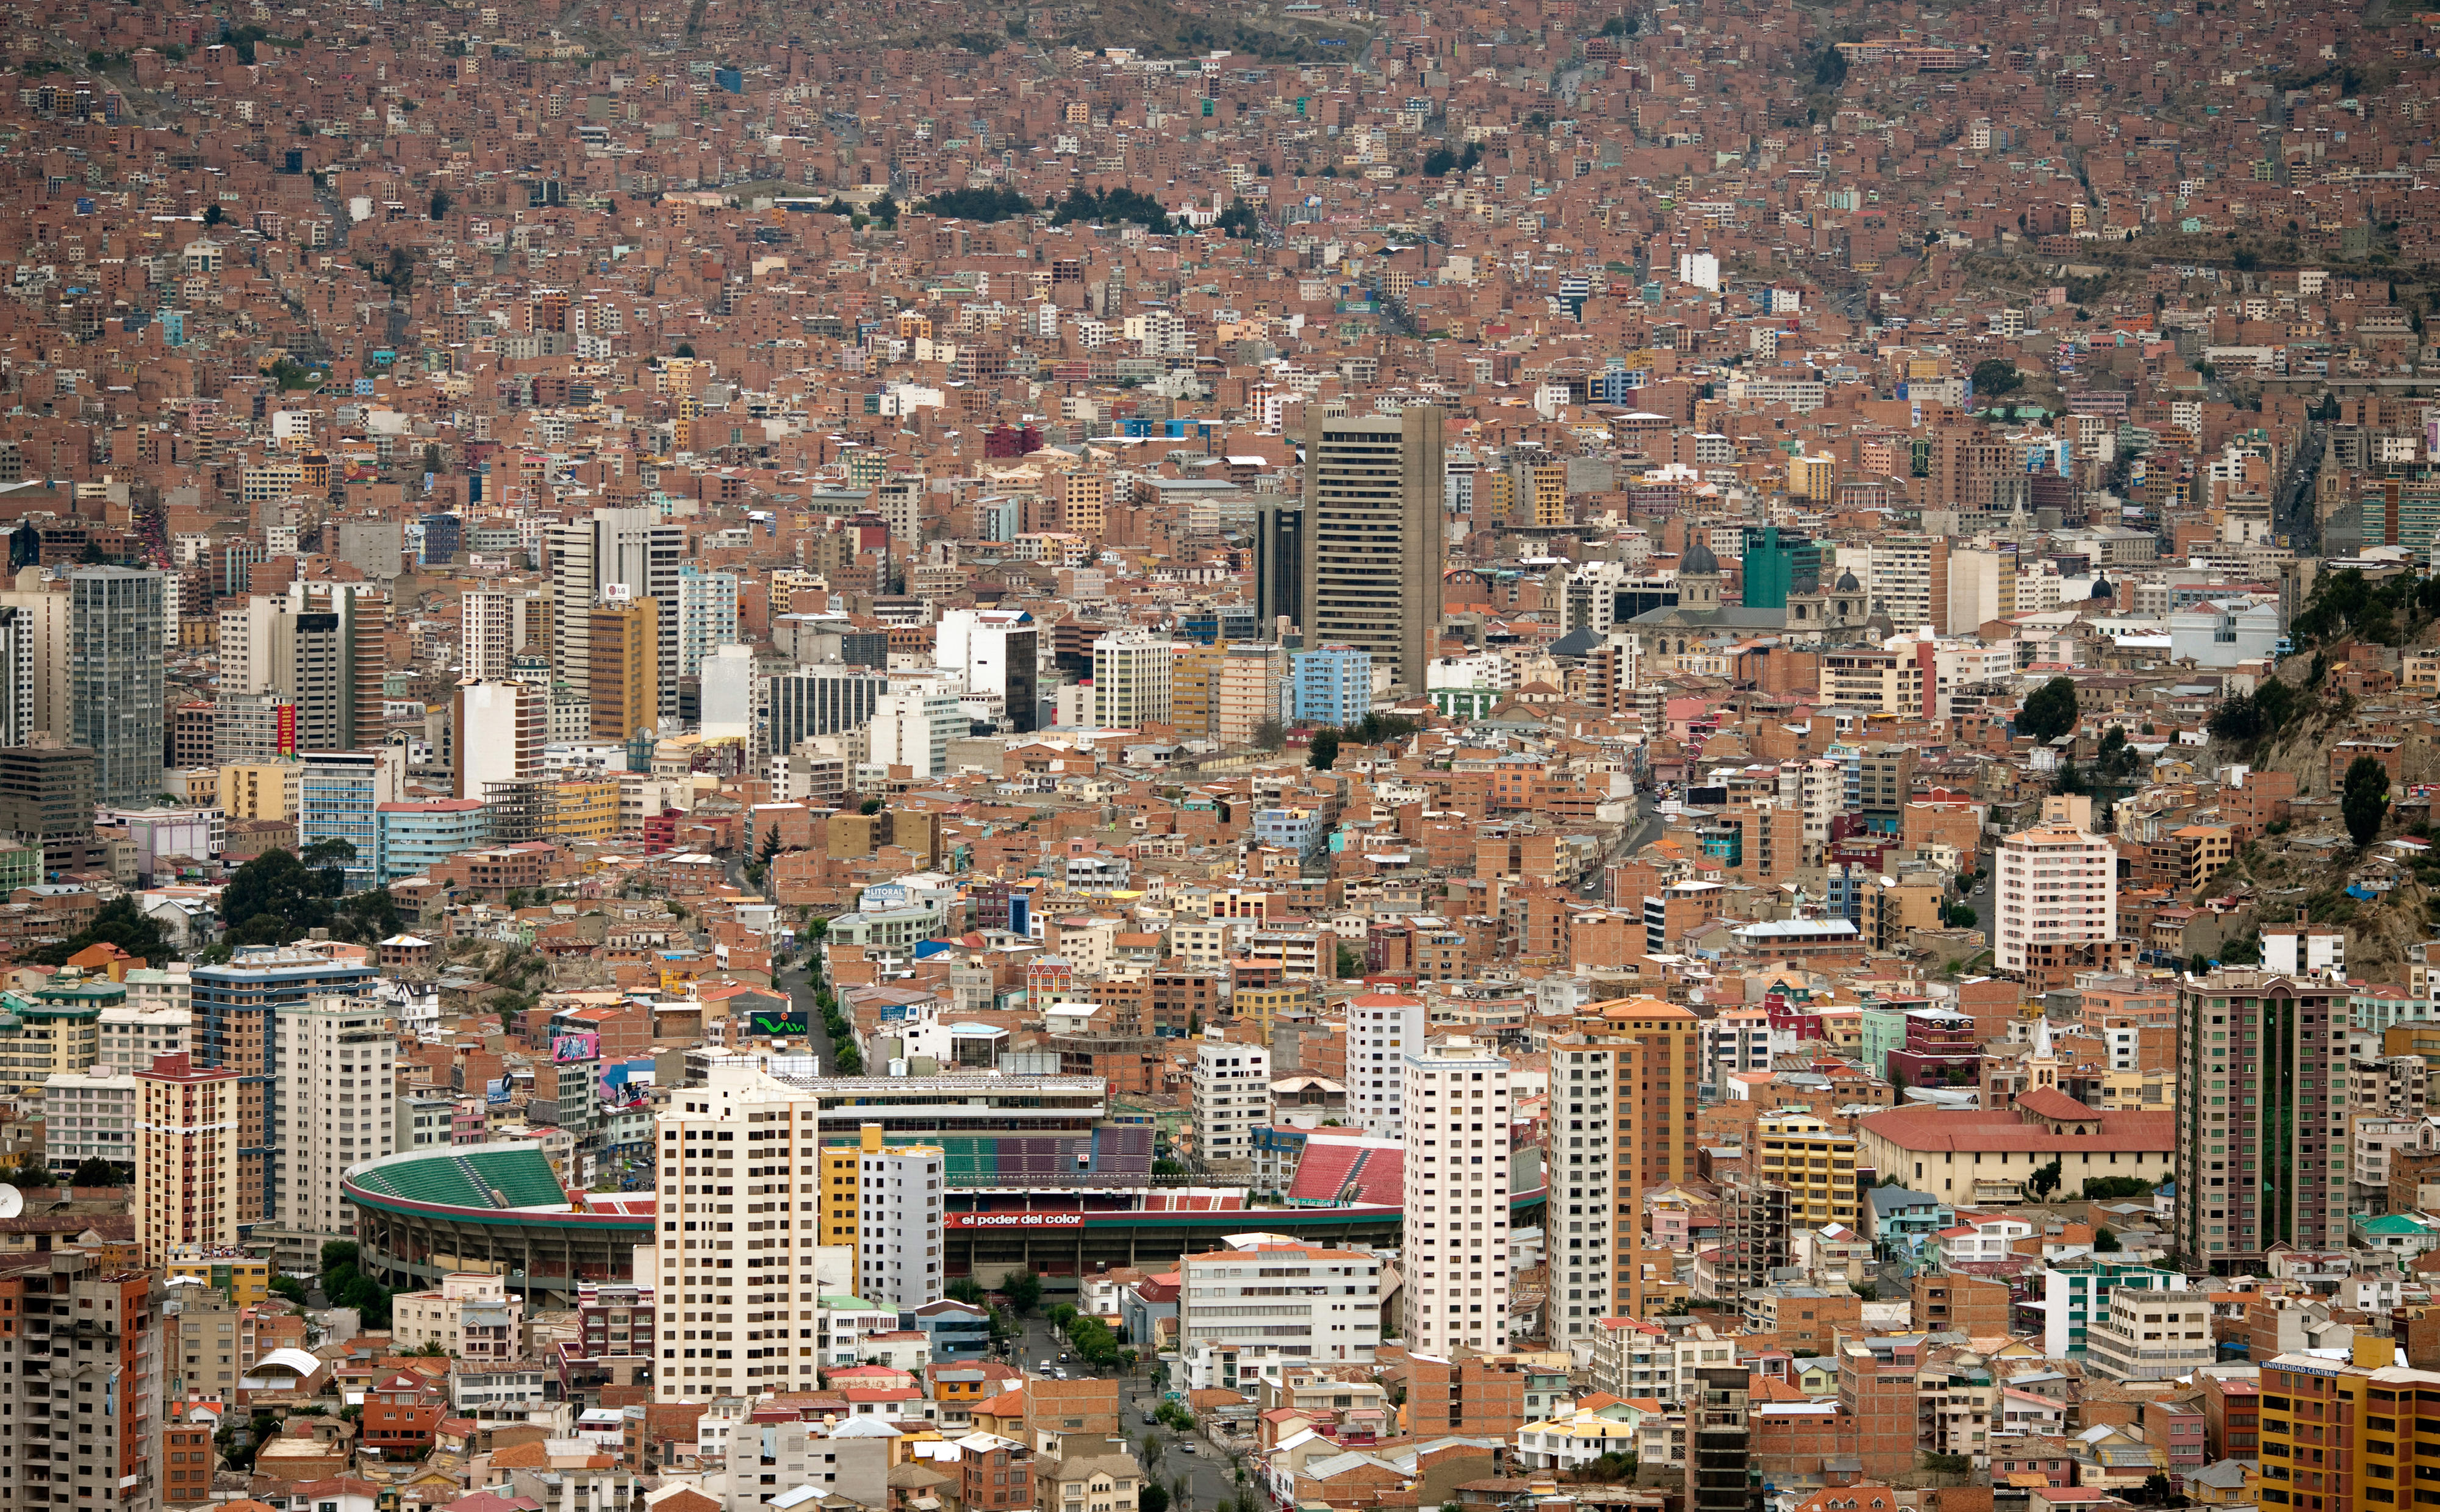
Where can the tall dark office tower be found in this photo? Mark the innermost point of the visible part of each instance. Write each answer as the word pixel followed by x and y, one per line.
pixel 1374 538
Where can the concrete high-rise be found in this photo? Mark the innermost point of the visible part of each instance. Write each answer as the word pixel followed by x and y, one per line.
pixel 1382 1029
pixel 996 653
pixel 912 727
pixel 186 1157
pixel 1624 1080
pixel 622 659
pixel 1132 677
pixel 2261 1115
pixel 234 1005
pixel 635 554
pixel 707 614
pixel 491 631
pixel 497 731
pixel 335 1088
pixel 44 612
pixel 47 796
pixel 728 690
pixel 20 641
pixel 110 1357
pixel 115 679
pixel 1374 538
pixel 2057 893
pixel 1456 1107
pixel 739 1196
pixel 899 1198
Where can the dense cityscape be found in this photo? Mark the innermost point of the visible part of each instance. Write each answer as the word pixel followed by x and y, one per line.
pixel 1141 756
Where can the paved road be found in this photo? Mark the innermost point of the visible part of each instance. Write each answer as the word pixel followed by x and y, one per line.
pixel 800 998
pixel 1198 1482
pixel 1980 901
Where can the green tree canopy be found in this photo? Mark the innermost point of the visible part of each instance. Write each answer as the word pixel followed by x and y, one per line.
pixel 1322 750
pixel 1114 205
pixel 119 923
pixel 1023 1290
pixel 995 203
pixel 1994 376
pixel 2050 712
pixel 2363 802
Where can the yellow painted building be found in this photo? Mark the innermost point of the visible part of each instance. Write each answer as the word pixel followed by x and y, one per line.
pixel 839 1194
pixel 246 1278
pixel 1815 1162
pixel 582 811
pixel 259 790
pixel 2341 1437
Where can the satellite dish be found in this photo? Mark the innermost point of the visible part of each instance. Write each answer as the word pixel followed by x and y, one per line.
pixel 13 1202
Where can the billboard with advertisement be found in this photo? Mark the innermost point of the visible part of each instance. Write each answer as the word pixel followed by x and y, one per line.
pixel 583 1045
pixel 779 1024
pixel 286 738
pixel 1014 1220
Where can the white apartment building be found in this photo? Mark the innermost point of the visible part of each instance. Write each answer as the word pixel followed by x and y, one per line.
pixel 1455 1103
pixel 900 1200
pixel 2056 888
pixel 1133 671
pixel 1594 1212
pixel 132 1037
pixel 490 625
pixel 1249 1310
pixel 2150 1335
pixel 1382 1027
pixel 173 987
pixel 336 1086
pixel 472 1316
pixel 738 1188
pixel 912 728
pixel 89 1115
pixel 1231 1092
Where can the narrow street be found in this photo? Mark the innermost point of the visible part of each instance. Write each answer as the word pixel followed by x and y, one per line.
pixel 1198 1481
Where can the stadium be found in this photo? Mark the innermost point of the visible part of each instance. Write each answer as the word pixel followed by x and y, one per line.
pixel 1063 1207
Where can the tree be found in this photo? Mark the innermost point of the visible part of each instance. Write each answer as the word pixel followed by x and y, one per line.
pixel 2157 1488
pixel 214 215
pixel 1151 1456
pixel 1322 750
pixel 2050 712
pixel 94 1172
pixel 1113 204
pixel 870 805
pixel 2104 1241
pixel 996 202
pixel 1268 735
pixel 119 923
pixel 2364 801
pixel 275 897
pixel 1350 963
pixel 1995 376
pixel 2114 1188
pixel 1239 221
pixel 1830 70
pixel 1023 1290
pixel 2044 1181
pixel 440 203
pixel 1151 1496
pixel 289 1288
pixel 686 349
pixel 1439 162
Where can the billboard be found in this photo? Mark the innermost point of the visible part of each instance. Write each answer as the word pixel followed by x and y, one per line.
pixel 1014 1220
pixel 779 1024
pixel 585 1045
pixel 286 740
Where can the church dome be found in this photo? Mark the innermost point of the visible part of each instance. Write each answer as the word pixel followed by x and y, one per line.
pixel 1847 583
pixel 1699 562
